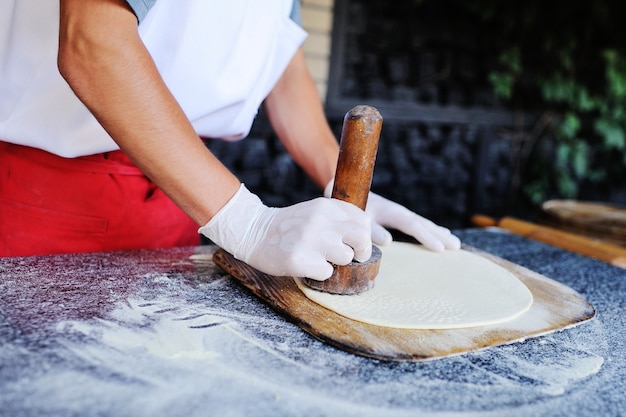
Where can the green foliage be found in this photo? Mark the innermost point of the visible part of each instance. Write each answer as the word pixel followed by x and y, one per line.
pixel 504 81
pixel 566 58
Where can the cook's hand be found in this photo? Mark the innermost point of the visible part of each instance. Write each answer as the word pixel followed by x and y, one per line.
pixel 298 240
pixel 386 213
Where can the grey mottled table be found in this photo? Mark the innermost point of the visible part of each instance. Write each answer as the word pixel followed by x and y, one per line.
pixel 166 333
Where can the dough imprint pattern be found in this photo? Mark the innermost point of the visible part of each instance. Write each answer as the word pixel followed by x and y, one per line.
pixel 420 289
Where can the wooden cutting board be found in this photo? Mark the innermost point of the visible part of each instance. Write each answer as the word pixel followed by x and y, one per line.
pixel 600 221
pixel 555 307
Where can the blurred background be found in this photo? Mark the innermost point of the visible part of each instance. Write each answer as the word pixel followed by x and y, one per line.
pixel 489 107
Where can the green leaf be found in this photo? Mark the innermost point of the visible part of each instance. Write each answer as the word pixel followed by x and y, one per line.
pixel 584 101
pixel 567 186
pixel 563 152
pixel 580 159
pixel 558 89
pixel 613 134
pixel 537 191
pixel 502 83
pixel 615 73
pixel 569 126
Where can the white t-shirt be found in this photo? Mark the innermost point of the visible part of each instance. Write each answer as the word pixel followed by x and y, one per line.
pixel 219 59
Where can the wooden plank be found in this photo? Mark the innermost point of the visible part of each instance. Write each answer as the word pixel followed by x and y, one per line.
pixel 595 220
pixel 555 307
pixel 593 248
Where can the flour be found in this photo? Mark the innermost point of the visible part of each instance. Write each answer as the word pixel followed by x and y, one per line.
pixel 170 355
pixel 163 340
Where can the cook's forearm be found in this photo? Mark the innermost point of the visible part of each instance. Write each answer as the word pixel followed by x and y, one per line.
pixel 296 113
pixel 106 64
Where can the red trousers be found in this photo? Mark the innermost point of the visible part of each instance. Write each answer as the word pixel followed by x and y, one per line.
pixel 50 204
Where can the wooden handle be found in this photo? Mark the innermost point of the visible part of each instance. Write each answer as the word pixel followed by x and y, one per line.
pixel 357 155
pixel 592 248
pixel 481 220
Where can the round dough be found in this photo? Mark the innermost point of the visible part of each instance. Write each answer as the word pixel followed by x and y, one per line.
pixel 420 289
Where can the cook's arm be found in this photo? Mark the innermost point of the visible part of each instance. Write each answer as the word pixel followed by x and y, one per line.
pixel 104 61
pixel 296 114
pixel 108 67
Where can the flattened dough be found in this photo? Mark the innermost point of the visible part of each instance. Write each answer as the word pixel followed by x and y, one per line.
pixel 420 289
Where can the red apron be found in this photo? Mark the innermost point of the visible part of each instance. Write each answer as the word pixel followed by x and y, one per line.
pixel 103 202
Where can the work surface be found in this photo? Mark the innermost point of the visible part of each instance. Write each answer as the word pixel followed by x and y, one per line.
pixel 166 333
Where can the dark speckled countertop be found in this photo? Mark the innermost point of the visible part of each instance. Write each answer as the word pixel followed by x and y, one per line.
pixel 166 333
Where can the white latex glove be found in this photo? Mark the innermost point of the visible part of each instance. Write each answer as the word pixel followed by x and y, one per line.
pixel 298 240
pixel 386 213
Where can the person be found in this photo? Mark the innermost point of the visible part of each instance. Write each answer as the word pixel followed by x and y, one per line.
pixel 102 107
